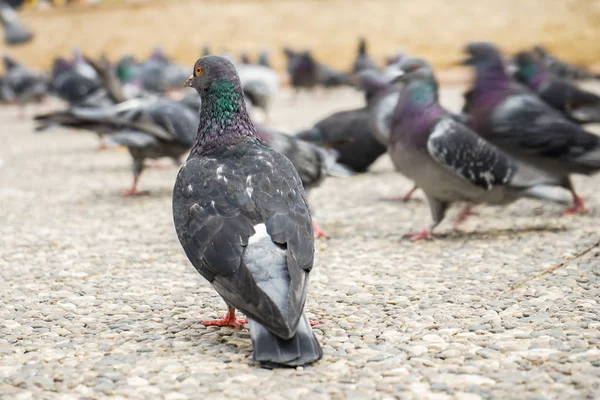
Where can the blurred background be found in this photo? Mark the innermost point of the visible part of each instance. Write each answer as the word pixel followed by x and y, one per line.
pixel 434 29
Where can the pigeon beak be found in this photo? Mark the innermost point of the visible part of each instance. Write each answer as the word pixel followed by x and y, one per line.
pixel 188 83
pixel 399 77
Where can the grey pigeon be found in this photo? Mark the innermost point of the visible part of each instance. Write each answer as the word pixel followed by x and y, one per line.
pixel 159 74
pixel 260 85
pixel 15 32
pixel 22 85
pixel 561 68
pixel 350 134
pixel 577 104
pixel 150 129
pixel 263 58
pixel 312 162
pixel 241 215
pixel 330 77
pixel 302 69
pixel 74 84
pixel 363 61
pixel 447 160
pixel 521 124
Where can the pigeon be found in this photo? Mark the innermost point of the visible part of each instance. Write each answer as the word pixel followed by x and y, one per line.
pixel 75 85
pixel 21 85
pixel 329 77
pixel 363 61
pixel 350 134
pixel 242 218
pixel 15 33
pixel 577 104
pixel 263 58
pixel 561 68
pixel 302 69
pixel 149 128
pixel 245 58
pixel 260 85
pixel 158 74
pixel 449 161
pixel 312 162
pixel 520 123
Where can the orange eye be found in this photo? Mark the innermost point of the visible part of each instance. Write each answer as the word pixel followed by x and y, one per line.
pixel 199 70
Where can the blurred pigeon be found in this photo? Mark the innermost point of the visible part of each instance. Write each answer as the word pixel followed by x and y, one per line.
pixel 241 215
pixel 21 85
pixel 363 61
pixel 15 32
pixel 329 77
pixel 577 104
pixel 74 86
pixel 260 85
pixel 350 134
pixel 148 128
pixel 521 124
pixel 245 58
pixel 159 74
pixel 561 68
pixel 302 69
pixel 263 59
pixel 205 50
pixel 447 160
pixel 312 162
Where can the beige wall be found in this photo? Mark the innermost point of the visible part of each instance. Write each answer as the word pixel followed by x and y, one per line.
pixel 435 29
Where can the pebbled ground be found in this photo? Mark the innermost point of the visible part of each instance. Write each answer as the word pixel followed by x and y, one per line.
pixel 98 300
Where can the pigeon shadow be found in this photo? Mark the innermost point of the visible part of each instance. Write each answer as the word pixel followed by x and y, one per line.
pixel 494 233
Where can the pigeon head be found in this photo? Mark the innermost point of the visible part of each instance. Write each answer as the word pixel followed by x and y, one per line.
pixel 371 82
pixel 211 73
pixel 223 115
pixel 530 69
pixel 415 69
pixel 9 62
pixel 482 53
pixel 362 46
pixel 540 50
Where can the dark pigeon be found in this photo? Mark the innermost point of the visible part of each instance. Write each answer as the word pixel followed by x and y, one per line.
pixel 15 32
pixel 577 104
pixel 521 124
pixel 350 134
pixel 312 162
pixel 150 129
pixel 263 59
pixel 330 77
pixel 245 58
pixel 241 215
pixel 74 84
pixel 562 69
pixel 302 69
pixel 363 61
pixel 447 160
pixel 21 85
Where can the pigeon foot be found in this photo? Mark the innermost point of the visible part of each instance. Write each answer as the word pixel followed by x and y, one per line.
pixel 578 206
pixel 424 234
pixel 133 192
pixel 463 215
pixel 313 323
pixel 227 319
pixel 405 197
pixel 318 232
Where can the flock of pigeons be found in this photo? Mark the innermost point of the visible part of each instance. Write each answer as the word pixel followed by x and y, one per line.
pixel 239 202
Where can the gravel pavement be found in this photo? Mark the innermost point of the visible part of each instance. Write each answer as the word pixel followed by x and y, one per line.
pixel 97 298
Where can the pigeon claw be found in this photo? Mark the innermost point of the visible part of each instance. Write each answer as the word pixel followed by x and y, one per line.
pixel 424 234
pixel 578 206
pixel 318 233
pixel 227 319
pixel 133 192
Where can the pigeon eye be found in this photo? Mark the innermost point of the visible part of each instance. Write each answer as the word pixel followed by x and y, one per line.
pixel 199 70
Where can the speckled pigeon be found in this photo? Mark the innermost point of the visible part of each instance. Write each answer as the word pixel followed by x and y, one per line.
pixel 561 68
pixel 15 32
pixel 447 160
pixel 312 162
pixel 241 215
pixel 350 134
pixel 521 124
pixel 577 104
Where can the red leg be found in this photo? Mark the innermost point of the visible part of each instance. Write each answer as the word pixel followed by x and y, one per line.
pixel 578 205
pixel 463 214
pixel 132 191
pixel 227 320
pixel 155 164
pixel 313 323
pixel 318 232
pixel 424 234
pixel 404 197
pixel 102 146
